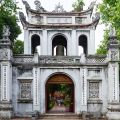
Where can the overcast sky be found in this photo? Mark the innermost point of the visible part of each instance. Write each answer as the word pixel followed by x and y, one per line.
pixel 49 5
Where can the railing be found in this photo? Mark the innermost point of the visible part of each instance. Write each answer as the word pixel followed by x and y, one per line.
pixel 60 60
pixel 23 59
pixel 96 59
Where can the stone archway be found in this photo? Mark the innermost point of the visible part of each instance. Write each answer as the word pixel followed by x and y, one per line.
pixel 60 79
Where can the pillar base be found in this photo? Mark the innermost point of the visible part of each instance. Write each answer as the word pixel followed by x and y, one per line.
pixel 113 111
pixel 6 110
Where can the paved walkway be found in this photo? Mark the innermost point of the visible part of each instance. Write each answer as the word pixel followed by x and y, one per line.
pixel 57 109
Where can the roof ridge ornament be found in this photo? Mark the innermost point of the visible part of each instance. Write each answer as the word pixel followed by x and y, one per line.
pixel 26 4
pixel 38 5
pixel 39 8
pixel 97 17
pixel 92 4
pixel 59 8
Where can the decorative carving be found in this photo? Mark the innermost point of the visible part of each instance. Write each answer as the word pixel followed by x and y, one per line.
pixel 25 73
pixel 23 60
pixel 21 14
pixel 26 90
pixel 91 5
pixel 80 20
pixel 93 90
pixel 112 32
pixel 114 55
pixel 38 5
pixel 96 60
pixel 59 79
pixel 6 32
pixel 37 19
pixel 26 4
pixel 4 55
pixel 36 87
pixel 58 20
pixel 97 17
pixel 59 8
pixel 23 19
pixel 59 60
pixel 39 8
pixel 4 82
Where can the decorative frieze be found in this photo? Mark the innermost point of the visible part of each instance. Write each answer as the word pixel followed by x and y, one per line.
pixel 23 59
pixel 93 90
pixel 59 60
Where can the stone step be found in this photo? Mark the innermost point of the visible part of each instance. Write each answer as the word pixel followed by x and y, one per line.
pixel 60 116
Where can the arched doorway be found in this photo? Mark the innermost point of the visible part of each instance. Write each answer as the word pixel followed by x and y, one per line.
pixel 35 42
pixel 58 79
pixel 83 43
pixel 59 46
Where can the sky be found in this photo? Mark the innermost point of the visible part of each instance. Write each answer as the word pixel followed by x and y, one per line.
pixel 49 5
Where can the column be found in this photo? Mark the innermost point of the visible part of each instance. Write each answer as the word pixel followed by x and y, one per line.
pixel 113 76
pixel 44 43
pixel 27 50
pixel 73 50
pixel 91 42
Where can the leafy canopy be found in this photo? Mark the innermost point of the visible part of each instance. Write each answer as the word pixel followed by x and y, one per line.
pixel 8 12
pixel 18 47
pixel 110 15
pixel 78 5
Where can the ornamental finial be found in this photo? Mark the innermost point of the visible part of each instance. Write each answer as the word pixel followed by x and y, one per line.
pixel 6 32
pixel 38 5
pixel 112 32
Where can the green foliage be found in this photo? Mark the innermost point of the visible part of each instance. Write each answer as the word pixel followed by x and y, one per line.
pixel 51 104
pixel 8 11
pixel 67 103
pixel 110 15
pixel 18 47
pixel 78 5
pixel 64 88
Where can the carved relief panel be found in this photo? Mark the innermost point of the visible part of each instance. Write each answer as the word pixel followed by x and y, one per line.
pixel 93 90
pixel 25 89
pixel 80 20
pixel 114 55
pixel 59 20
pixel 37 20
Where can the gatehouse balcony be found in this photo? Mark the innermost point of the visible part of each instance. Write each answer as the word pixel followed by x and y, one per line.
pixel 60 60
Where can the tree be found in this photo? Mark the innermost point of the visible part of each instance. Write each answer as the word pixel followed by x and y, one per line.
pixel 8 12
pixel 110 15
pixel 78 5
pixel 18 47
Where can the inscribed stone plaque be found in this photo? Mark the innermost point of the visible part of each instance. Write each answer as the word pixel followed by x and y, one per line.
pixel 58 20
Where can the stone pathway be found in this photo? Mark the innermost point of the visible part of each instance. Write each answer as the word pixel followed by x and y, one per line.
pixel 57 109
